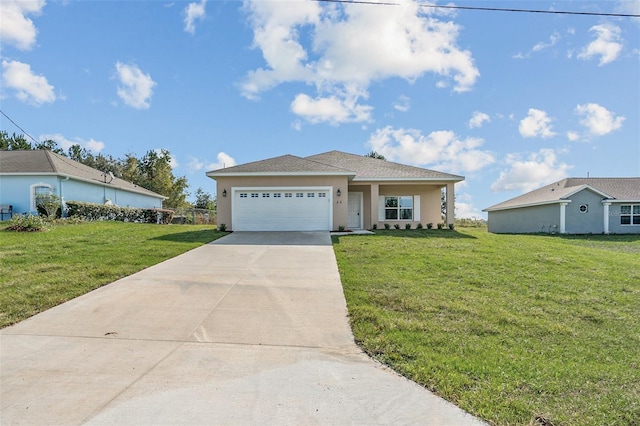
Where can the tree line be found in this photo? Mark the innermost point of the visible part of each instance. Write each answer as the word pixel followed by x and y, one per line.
pixel 152 171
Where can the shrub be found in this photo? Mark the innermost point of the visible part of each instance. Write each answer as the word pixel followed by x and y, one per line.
pixel 341 228
pixel 419 226
pixel 396 226
pixel 407 226
pixel 48 204
pixel 440 225
pixel 387 226
pixel 451 226
pixel 374 226
pixel 97 212
pixel 222 227
pixel 429 225
pixel 27 223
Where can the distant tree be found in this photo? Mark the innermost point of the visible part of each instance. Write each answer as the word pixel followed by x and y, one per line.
pixel 50 145
pixel 155 174
pixel 374 154
pixel 14 142
pixel 204 200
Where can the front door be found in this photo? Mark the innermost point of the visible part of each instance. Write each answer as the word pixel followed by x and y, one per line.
pixel 355 210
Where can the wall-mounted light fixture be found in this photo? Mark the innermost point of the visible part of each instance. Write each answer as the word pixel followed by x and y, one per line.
pixel 338 192
pixel 224 192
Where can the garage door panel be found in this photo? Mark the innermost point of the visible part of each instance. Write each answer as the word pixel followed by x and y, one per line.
pixel 282 210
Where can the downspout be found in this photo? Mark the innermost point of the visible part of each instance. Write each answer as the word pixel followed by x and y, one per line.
pixel 62 203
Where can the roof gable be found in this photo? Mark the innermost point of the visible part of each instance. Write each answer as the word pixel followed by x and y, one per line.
pixel 46 162
pixel 624 189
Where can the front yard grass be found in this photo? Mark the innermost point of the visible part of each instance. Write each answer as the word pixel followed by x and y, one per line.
pixel 511 328
pixel 39 270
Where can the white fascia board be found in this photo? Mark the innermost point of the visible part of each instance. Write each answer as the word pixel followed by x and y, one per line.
pixel 405 180
pixel 613 200
pixel 520 206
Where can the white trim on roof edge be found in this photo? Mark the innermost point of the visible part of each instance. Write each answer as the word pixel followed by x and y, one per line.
pixel 246 174
pixel 520 206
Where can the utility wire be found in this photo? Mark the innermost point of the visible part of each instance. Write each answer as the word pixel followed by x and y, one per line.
pixel 491 9
pixel 15 124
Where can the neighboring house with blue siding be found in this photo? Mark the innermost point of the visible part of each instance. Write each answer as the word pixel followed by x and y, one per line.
pixel 26 174
pixel 572 206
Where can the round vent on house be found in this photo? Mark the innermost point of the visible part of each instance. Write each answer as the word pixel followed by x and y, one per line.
pixel 584 208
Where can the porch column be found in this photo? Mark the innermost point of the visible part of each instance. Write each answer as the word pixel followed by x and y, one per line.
pixel 606 216
pixel 451 206
pixel 373 211
pixel 563 217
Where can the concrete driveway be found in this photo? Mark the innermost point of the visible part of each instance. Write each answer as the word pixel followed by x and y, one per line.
pixel 251 329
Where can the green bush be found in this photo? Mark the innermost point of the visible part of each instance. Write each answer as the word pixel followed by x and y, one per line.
pixel 97 212
pixel 419 226
pixel 48 205
pixel 451 226
pixel 440 225
pixel 387 226
pixel 407 226
pixel 27 223
pixel 374 226
pixel 429 225
pixel 222 227
pixel 396 226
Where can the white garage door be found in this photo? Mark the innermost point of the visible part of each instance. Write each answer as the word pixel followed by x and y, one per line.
pixel 298 209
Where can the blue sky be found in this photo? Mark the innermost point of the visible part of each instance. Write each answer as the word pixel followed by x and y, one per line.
pixel 511 101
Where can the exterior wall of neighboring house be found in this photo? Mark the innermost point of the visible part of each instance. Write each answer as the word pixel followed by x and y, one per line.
pixel 525 220
pixel 585 213
pixel 19 192
pixel 615 225
pixel 224 204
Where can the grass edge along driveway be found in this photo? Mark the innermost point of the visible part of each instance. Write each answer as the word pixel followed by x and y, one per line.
pixel 515 329
pixel 39 270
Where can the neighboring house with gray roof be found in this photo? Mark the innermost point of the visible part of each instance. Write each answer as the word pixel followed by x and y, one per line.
pixel 328 191
pixel 572 206
pixel 26 174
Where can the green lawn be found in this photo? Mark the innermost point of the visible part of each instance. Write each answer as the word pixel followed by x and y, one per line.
pixel 508 327
pixel 39 270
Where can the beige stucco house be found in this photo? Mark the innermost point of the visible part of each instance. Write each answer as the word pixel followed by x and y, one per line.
pixel 329 191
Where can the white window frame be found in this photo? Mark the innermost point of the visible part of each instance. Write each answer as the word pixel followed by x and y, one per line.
pixel 634 212
pixel 32 191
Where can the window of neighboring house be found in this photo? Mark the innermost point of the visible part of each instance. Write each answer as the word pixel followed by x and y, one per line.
pixel 398 208
pixel 630 214
pixel 37 190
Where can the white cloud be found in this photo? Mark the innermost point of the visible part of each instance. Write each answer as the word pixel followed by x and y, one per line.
pixel 526 174
pixel 330 109
pixel 28 87
pixel 553 39
pixel 607 44
pixel 193 12
pixel 598 120
pixel 173 163
pixel 478 119
pixel 194 164
pixel 91 145
pixel 17 29
pixel 344 56
pixel 536 123
pixel 136 88
pixel 402 104
pixel 442 150
pixel 464 207
pixel 573 136
pixel 629 6
pixel 224 160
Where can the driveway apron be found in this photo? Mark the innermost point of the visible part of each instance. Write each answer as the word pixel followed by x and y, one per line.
pixel 250 329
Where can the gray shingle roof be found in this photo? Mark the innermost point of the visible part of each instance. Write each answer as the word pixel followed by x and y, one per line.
pixel 335 163
pixel 46 162
pixel 368 168
pixel 624 189
pixel 284 165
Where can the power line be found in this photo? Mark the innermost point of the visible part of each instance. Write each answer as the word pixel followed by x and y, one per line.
pixel 490 9
pixel 15 124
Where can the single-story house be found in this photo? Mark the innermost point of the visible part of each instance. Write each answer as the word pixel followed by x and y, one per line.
pixel 26 174
pixel 572 206
pixel 330 191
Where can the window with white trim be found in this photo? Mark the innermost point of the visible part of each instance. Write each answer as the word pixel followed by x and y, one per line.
pixel 630 214
pixel 37 190
pixel 398 208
